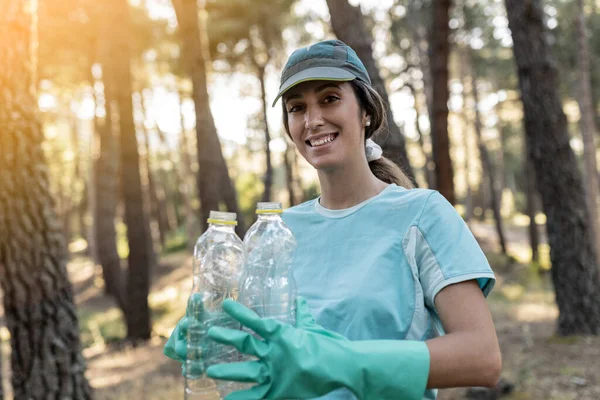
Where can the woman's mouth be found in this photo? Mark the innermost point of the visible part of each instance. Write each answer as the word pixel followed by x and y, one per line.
pixel 323 140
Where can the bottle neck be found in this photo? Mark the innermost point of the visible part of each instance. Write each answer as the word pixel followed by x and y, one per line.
pixel 269 217
pixel 222 227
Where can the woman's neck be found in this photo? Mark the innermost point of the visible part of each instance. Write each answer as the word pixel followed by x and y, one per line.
pixel 346 187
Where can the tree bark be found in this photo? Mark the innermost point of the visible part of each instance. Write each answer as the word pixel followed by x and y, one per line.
pixel 214 182
pixel 186 188
pixel 348 25
pixel 289 173
pixel 105 173
pixel 466 147
pixel 141 257
pixel 489 169
pixel 38 300
pixel 534 236
pixel 156 210
pixel 429 172
pixel 440 53
pixel 575 272
pixel 268 179
pixel 588 125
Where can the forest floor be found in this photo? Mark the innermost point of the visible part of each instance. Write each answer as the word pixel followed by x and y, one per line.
pixel 539 364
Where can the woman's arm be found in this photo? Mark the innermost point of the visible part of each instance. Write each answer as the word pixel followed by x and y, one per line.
pixel 469 354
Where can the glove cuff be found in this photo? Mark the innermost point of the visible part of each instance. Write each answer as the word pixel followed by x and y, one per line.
pixel 389 369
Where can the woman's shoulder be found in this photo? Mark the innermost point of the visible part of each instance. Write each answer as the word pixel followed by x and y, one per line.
pixel 400 196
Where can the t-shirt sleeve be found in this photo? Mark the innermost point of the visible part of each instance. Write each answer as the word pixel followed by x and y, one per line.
pixel 446 250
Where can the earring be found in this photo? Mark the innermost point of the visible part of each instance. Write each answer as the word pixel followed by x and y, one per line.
pixel 368 123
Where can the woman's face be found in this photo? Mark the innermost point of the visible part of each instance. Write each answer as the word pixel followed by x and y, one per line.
pixel 326 123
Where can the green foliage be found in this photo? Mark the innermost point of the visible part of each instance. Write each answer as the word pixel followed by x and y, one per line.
pixel 247 33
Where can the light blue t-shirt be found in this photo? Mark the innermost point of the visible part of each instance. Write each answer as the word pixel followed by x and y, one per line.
pixel 372 271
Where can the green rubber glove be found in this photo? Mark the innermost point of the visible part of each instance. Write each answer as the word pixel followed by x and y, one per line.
pixel 309 361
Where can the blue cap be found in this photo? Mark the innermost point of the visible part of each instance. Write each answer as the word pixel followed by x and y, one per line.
pixel 330 60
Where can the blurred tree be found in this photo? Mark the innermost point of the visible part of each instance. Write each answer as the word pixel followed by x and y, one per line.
pixel 141 258
pixel 214 182
pixel 349 26
pixel 575 272
pixel 588 126
pixel 440 52
pixel 530 187
pixel 38 298
pixel 105 167
pixel 489 169
pixel 186 187
pixel 247 34
pixel 409 23
pixel 157 206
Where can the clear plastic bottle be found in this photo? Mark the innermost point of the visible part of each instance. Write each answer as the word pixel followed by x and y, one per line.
pixel 219 257
pixel 268 286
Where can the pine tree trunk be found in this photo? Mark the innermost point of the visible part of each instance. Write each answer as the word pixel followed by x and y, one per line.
pixel 106 178
pixel 167 202
pixel 268 179
pixel 155 209
pixel 440 53
pixel 141 257
pixel 588 125
pixel 214 182
pixel 348 25
pixel 489 169
pixel 187 187
pixel 466 148
pixel 429 172
pixel 534 236
pixel 38 300
pixel 575 272
pixel 289 173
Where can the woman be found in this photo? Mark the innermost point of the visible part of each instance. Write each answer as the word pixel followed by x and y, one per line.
pixel 394 278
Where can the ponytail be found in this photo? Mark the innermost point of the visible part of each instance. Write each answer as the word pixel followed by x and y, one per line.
pixel 387 171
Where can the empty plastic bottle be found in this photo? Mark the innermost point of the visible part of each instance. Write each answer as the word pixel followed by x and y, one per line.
pixel 219 257
pixel 268 285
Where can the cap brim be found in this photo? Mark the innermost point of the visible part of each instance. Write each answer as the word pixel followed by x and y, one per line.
pixel 315 74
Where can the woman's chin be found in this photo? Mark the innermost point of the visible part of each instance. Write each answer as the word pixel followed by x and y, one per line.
pixel 325 164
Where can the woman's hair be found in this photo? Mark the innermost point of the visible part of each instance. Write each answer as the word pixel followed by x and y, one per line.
pixel 371 102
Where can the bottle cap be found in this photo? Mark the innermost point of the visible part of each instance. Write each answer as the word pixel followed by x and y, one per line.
pixel 272 207
pixel 222 218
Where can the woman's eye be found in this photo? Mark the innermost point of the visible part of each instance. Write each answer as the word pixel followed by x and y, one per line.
pixel 293 109
pixel 330 99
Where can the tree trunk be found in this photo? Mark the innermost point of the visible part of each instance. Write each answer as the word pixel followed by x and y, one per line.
pixel 534 236
pixel 488 166
pixel 268 179
pixel 105 173
pixel 466 147
pixel 38 301
pixel 575 272
pixel 186 188
pixel 588 125
pixel 155 209
pixel 167 203
pixel 141 257
pixel 289 173
pixel 214 182
pixel 429 172
pixel 440 52
pixel 348 25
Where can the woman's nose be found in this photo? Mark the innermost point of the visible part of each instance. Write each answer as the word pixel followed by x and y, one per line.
pixel 313 118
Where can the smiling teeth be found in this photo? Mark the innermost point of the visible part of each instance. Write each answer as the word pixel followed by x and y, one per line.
pixel 320 142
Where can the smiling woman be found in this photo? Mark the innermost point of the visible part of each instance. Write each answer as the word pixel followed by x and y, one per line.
pixel 393 276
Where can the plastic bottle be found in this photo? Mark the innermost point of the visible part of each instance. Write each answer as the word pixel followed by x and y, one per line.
pixel 268 285
pixel 219 257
